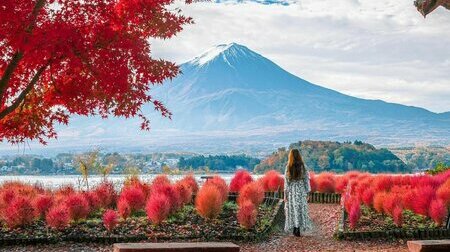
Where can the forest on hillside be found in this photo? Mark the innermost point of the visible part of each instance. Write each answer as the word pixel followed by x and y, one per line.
pixel 422 158
pixel 218 163
pixel 322 156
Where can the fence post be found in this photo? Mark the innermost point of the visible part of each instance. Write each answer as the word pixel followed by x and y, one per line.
pixel 342 220
pixel 448 221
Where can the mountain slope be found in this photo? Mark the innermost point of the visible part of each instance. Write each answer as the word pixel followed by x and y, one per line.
pixel 232 99
pixel 231 87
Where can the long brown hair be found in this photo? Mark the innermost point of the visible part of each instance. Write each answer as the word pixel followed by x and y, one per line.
pixel 295 168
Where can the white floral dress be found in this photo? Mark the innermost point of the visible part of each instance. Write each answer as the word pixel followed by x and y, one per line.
pixel 296 206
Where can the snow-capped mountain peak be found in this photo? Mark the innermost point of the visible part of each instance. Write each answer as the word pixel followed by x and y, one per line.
pixel 230 87
pixel 231 97
pixel 224 51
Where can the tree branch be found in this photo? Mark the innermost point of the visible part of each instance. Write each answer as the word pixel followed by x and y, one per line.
pixel 19 54
pixel 8 72
pixel 37 7
pixel 25 92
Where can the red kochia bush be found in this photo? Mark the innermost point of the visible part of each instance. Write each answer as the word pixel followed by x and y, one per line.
pixel 6 197
pixel 65 190
pixel 161 179
pixel 378 200
pixel 391 201
pixel 247 214
pixel 359 187
pixel 241 178
pixel 185 191
pixel 58 217
pixel 443 193
pixel 190 181
pixel 400 190
pixel 93 200
pixel 134 196
pixel 272 181
pixel 444 177
pixel 158 208
pixel 77 205
pixel 409 199
pixel 123 208
pixel 22 189
pixel 354 174
pixel 341 183
pixel 253 192
pixel 397 215
pixel 110 219
pixel 173 196
pixel 424 181
pixel 106 194
pixel 438 211
pixel 19 213
pixel 349 202
pixel 367 197
pixel 325 182
pixel 382 183
pixel 42 204
pixel 354 215
pixel 221 186
pixel 208 201
pixel 422 202
pixel 135 182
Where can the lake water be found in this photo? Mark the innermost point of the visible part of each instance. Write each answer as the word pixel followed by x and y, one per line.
pixel 56 181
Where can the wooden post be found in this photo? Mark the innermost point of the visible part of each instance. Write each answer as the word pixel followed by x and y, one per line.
pixel 342 222
pixel 448 221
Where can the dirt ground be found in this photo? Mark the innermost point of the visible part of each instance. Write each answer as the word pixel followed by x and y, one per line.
pixel 325 218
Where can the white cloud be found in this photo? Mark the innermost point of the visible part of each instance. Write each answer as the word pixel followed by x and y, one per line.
pixel 371 49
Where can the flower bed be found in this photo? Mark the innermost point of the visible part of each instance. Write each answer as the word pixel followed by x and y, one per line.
pixel 383 205
pixel 183 225
pixel 373 221
pixel 401 206
pixel 377 225
pixel 156 210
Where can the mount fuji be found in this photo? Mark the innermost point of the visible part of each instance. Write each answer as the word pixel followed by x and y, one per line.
pixel 231 99
pixel 232 88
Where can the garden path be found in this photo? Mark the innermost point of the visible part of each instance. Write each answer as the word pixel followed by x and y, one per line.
pixel 325 218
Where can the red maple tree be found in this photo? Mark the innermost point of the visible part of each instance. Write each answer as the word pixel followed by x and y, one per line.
pixel 60 58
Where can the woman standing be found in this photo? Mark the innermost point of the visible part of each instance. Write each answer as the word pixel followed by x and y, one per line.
pixel 295 195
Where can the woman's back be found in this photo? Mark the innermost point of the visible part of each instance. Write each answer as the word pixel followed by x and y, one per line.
pixel 296 192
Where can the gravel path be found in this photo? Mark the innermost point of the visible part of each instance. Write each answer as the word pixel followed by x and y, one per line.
pixel 324 216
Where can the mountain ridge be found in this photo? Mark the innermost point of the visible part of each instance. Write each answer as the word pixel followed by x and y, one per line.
pixel 206 58
pixel 232 98
pixel 229 80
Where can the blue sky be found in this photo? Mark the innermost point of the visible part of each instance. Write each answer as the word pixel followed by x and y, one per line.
pixel 371 49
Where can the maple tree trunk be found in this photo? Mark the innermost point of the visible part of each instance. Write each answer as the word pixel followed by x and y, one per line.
pixel 18 55
pixel 8 72
pixel 24 93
